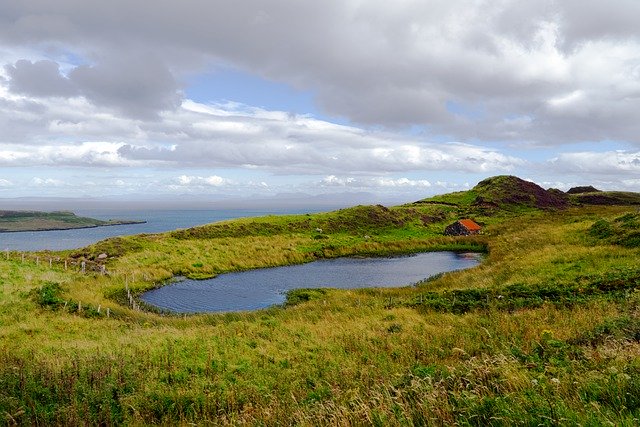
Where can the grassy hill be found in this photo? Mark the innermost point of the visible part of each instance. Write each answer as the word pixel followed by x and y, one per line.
pixel 41 221
pixel 606 198
pixel 502 194
pixel 505 193
pixel 546 331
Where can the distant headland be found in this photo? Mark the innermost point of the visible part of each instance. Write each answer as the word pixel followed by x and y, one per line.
pixel 13 221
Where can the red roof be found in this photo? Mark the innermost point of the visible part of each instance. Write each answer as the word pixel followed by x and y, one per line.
pixel 470 225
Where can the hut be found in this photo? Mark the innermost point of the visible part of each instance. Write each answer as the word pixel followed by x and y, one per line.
pixel 463 227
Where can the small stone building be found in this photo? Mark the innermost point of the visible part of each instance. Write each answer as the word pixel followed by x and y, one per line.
pixel 463 227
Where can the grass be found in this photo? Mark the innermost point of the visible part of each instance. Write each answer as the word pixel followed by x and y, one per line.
pixel 545 331
pixel 623 230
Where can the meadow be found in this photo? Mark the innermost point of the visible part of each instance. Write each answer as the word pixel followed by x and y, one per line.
pixel 546 331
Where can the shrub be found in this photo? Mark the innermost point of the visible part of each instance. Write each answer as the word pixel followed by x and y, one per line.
pixel 297 296
pixel 48 295
pixel 601 229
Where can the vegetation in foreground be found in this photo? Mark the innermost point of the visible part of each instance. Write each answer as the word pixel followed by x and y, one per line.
pixel 545 332
pixel 41 221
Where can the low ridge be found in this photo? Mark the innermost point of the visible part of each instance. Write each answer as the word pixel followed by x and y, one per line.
pixel 583 189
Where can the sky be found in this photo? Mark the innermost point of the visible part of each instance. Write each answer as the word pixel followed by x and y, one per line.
pixel 253 99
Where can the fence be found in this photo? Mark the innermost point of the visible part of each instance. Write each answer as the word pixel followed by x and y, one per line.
pixel 56 262
pixel 70 264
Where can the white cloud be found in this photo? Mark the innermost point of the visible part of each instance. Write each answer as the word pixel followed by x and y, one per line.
pixel 371 183
pixel 632 184
pixel 334 181
pixel 452 186
pixel 199 181
pixel 398 64
pixel 283 143
pixel 64 154
pixel 5 183
pixel 47 182
pixel 404 182
pixel 71 131
pixel 618 163
pixel 104 87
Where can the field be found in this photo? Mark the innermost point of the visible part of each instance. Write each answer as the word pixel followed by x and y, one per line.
pixel 546 331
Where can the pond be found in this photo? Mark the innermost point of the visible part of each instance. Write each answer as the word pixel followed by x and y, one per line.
pixel 261 288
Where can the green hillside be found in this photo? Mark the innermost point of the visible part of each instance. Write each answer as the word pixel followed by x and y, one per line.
pixel 503 193
pixel 506 193
pixel 546 331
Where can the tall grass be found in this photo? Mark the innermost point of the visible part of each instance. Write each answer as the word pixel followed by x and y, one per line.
pixel 545 332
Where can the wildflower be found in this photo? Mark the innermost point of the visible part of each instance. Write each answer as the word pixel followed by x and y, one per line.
pixel 555 381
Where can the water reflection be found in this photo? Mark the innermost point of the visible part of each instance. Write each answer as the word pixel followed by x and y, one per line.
pixel 255 289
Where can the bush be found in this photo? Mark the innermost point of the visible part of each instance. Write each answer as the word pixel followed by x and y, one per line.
pixel 297 296
pixel 601 229
pixel 631 240
pixel 48 295
pixel 621 231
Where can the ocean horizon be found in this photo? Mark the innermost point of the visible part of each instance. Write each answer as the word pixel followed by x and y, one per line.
pixel 157 221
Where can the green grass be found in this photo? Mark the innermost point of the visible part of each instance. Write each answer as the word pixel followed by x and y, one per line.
pixel 545 331
pixel 623 230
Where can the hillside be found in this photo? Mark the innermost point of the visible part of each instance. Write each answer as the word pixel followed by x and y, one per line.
pixel 509 193
pixel 545 331
pixel 500 195
pixel 606 198
pixel 41 221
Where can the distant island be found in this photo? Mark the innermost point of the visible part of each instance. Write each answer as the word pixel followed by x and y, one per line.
pixel 12 221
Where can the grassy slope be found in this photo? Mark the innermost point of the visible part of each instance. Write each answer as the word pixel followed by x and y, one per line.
pixel 606 198
pixel 561 347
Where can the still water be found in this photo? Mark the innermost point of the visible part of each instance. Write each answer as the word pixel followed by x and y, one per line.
pixel 157 221
pixel 261 288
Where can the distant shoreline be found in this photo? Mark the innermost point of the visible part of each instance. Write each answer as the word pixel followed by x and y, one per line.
pixel 79 227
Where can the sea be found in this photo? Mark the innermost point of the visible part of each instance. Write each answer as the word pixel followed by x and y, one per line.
pixel 157 221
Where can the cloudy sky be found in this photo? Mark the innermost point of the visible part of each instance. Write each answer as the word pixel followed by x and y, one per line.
pixel 255 98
